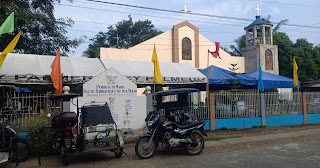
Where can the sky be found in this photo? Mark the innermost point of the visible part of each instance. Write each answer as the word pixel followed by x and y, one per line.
pixel 91 17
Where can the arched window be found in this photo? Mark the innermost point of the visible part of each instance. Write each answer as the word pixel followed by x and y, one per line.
pixel 269 59
pixel 186 49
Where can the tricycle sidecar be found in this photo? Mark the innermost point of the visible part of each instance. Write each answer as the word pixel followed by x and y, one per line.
pixel 91 129
pixel 98 129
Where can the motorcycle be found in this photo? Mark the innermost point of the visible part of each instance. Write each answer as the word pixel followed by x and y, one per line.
pixel 182 132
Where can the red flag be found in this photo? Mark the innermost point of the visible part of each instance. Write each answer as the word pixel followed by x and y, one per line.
pixel 215 54
pixel 56 74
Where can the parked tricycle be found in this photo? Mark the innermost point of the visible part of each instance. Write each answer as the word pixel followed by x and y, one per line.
pixel 91 129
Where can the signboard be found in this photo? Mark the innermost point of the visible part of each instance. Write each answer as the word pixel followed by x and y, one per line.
pixel 127 109
pixel 42 79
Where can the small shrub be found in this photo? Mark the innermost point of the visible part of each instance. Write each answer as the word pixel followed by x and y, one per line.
pixel 41 144
pixel 261 126
pixel 224 128
pixel 38 122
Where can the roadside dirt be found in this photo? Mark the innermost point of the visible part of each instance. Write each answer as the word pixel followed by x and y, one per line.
pixel 104 159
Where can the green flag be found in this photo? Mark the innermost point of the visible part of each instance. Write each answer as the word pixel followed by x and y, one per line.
pixel 8 25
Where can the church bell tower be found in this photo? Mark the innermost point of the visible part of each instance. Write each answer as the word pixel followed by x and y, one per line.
pixel 259 43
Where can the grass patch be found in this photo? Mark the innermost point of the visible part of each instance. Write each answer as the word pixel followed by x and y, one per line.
pixel 261 126
pixel 223 129
pixel 219 138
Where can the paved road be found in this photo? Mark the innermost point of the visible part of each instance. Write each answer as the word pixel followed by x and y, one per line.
pixel 301 154
pixel 292 149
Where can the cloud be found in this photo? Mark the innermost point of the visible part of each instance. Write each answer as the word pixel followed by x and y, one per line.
pixel 275 11
pixel 230 8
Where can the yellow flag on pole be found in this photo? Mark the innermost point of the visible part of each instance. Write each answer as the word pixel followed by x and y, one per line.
pixel 9 48
pixel 295 73
pixel 156 71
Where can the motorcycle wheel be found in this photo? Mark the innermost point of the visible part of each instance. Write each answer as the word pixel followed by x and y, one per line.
pixel 118 152
pixel 195 150
pixel 65 156
pixel 20 150
pixel 142 151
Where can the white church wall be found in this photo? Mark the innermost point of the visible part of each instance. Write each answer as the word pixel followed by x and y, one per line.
pixel 144 50
pixel 226 58
pixel 186 31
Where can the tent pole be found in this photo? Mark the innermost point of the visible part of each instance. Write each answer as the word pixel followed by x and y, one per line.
pixel 102 63
pixel 154 91
pixel 299 97
pixel 207 90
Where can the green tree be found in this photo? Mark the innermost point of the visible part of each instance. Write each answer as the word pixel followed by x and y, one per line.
pixel 285 52
pixel 42 33
pixel 240 43
pixel 234 81
pixel 307 57
pixel 277 27
pixel 129 34
pixel 308 69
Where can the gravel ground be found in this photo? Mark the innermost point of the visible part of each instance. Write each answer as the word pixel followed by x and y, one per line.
pixel 104 159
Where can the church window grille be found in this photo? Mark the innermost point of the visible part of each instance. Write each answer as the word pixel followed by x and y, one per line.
pixel 186 49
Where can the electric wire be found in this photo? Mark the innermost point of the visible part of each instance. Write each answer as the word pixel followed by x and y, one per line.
pixel 191 13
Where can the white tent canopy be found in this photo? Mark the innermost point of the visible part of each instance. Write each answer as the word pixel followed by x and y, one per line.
pixel 141 72
pixel 28 69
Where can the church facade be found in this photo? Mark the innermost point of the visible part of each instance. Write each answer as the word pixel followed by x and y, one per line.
pixel 184 44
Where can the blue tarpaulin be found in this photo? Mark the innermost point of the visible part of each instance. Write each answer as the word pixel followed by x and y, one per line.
pixel 272 81
pixel 220 79
pixel 219 76
pixel 19 89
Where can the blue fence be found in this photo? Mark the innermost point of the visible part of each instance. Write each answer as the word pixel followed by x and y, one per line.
pixel 284 120
pixel 241 110
pixel 313 118
pixel 238 122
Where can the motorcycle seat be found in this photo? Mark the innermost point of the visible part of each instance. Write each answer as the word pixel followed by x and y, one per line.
pixel 189 125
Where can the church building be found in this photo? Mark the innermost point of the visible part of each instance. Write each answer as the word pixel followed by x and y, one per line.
pixel 184 44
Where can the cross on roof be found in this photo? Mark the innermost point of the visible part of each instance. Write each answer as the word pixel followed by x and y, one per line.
pixel 117 38
pixel 185 12
pixel 257 9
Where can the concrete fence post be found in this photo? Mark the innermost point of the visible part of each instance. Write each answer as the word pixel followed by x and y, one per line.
pixel 66 104
pixel 148 99
pixel 212 111
pixel 304 107
pixel 262 109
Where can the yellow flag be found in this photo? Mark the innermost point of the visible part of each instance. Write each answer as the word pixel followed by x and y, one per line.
pixel 156 71
pixel 9 48
pixel 295 73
